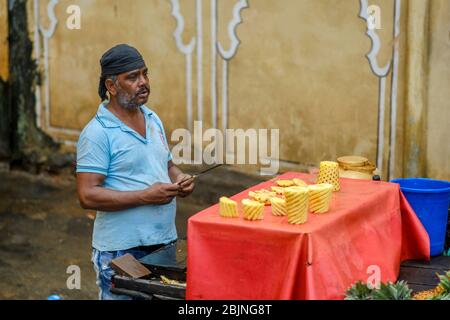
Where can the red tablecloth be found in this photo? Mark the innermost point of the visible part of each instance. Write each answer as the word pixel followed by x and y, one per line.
pixel 370 223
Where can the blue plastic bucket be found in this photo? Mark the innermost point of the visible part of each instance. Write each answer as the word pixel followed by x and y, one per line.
pixel 430 199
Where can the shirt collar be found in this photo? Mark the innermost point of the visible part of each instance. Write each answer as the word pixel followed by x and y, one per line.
pixel 109 120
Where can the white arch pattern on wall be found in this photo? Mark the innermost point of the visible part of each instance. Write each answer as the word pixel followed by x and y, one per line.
pixel 187 51
pixel 216 48
pixel 382 73
pixel 46 34
pixel 227 55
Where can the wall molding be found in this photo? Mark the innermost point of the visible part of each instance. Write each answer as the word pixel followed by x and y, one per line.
pixel 382 74
pixel 217 51
pixel 187 50
pixel 46 34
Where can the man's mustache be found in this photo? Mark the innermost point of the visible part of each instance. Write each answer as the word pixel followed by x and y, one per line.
pixel 143 90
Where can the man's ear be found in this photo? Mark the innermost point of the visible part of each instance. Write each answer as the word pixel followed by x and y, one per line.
pixel 109 84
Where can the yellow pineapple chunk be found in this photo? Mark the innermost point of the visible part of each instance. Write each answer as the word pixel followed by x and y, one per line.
pixel 253 210
pixel 297 199
pixel 320 197
pixel 252 194
pixel 228 208
pixel 262 196
pixel 299 182
pixel 278 190
pixel 284 183
pixel 278 206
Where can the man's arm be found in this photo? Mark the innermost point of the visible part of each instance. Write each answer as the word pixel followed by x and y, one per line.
pixel 95 197
pixel 173 171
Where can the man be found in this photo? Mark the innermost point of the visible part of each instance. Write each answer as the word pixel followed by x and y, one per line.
pixel 125 169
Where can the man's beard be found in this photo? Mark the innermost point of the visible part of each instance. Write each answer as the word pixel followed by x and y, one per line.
pixel 128 101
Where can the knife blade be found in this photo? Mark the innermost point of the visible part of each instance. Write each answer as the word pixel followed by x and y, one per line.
pixel 200 174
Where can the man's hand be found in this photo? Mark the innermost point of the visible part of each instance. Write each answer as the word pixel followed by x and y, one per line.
pixel 161 193
pixel 186 186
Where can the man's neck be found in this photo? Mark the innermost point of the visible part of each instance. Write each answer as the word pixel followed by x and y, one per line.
pixel 123 113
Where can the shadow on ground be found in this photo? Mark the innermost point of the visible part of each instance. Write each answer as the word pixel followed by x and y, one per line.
pixel 43 230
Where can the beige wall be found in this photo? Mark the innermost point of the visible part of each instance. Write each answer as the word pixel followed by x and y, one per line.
pixel 74 58
pixel 301 67
pixel 3 41
pixel 438 144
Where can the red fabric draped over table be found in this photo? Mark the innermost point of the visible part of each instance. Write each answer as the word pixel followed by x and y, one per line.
pixel 370 223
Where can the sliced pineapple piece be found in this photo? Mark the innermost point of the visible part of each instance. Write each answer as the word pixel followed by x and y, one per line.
pixel 299 182
pixel 262 196
pixel 278 206
pixel 228 208
pixel 253 210
pixel 320 197
pixel 284 183
pixel 297 199
pixel 277 190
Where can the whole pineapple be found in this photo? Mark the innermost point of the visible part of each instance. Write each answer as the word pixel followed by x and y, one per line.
pixel 441 292
pixel 359 291
pixel 393 291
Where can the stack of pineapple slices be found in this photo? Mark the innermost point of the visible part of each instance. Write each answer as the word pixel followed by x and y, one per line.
pixel 320 197
pixel 262 196
pixel 295 201
pixel 228 208
pixel 297 204
pixel 253 210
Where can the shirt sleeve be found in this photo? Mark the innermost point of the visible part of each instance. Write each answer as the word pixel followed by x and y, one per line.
pixel 92 156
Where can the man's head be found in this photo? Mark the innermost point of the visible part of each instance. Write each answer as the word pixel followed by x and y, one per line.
pixel 124 76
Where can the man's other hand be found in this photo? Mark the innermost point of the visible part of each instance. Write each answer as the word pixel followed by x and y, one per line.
pixel 186 183
pixel 161 193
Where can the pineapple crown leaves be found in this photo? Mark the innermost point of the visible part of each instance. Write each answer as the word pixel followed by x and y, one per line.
pixel 359 291
pixel 397 291
pixel 442 296
pixel 445 281
pixel 393 291
pixel 388 291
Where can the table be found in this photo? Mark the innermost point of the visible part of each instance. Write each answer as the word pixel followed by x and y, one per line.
pixel 370 228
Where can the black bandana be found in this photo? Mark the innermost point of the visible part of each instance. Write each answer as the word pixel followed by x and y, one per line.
pixel 121 58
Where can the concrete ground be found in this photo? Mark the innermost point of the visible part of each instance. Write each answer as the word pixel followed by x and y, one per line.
pixel 43 230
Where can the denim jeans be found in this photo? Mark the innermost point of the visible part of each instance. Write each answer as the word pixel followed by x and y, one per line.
pixel 104 273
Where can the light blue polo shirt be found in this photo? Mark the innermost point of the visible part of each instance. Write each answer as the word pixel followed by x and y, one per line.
pixel 129 162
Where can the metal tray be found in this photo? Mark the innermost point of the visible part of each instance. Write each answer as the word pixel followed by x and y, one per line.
pixel 169 261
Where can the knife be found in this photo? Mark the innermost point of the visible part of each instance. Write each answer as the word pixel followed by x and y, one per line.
pixel 199 174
